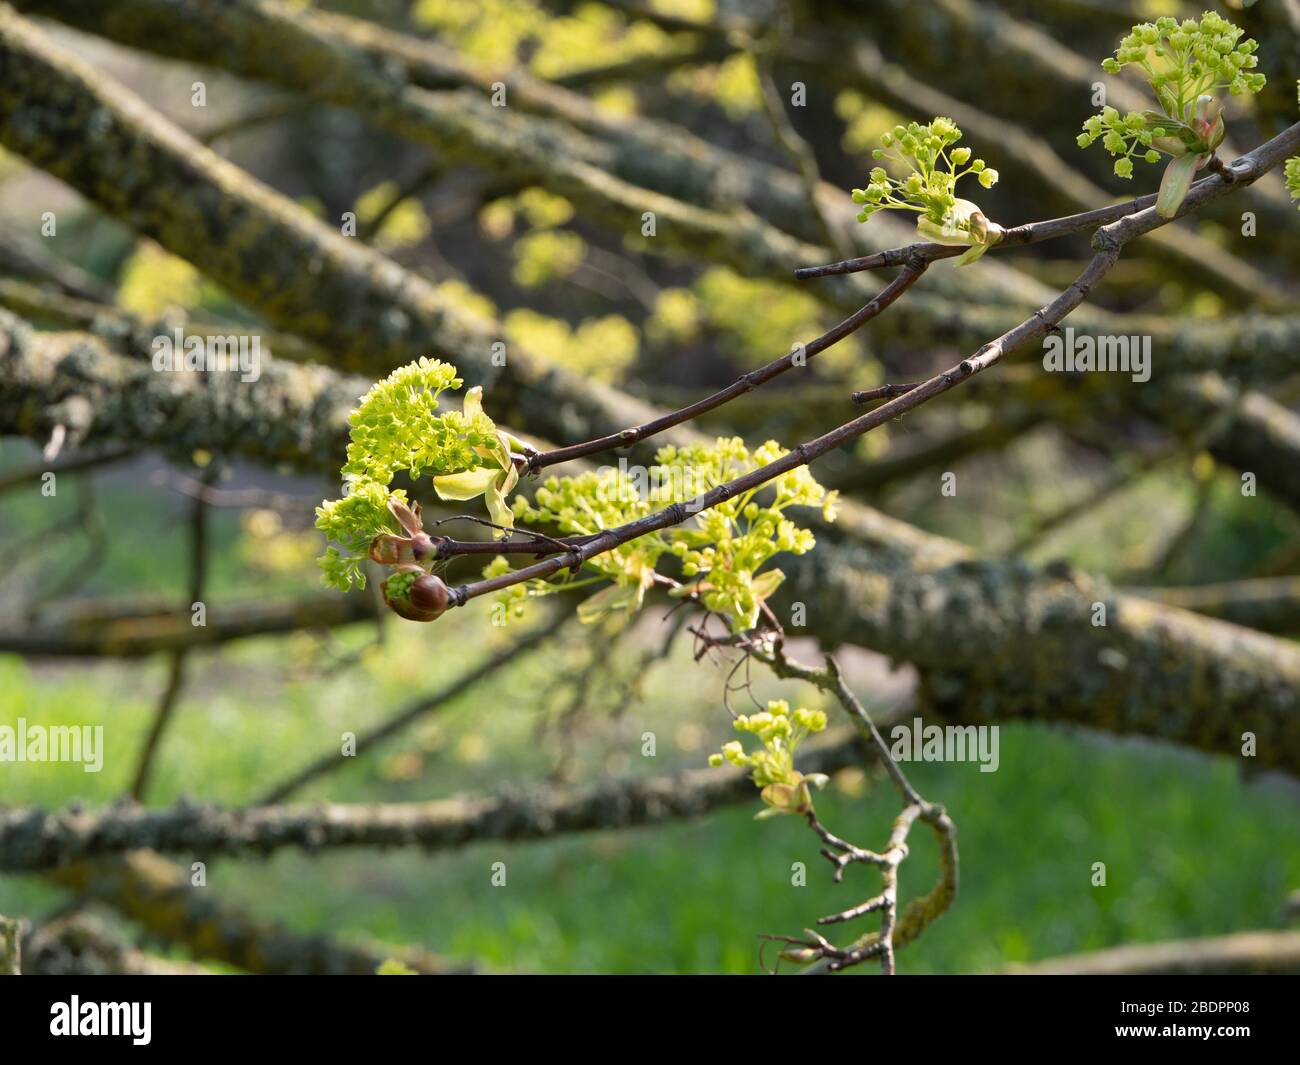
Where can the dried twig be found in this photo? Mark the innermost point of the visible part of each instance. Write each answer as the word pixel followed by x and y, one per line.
pixel 176 669
pixel 769 647
pixel 409 714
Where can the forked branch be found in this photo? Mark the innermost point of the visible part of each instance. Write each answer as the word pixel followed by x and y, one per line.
pixel 895 930
pixel 1123 224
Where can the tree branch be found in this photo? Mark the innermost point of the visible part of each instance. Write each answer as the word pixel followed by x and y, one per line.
pixel 1109 240
pixel 93 630
pixel 746 383
pixel 34 840
pixel 1243 953
pixel 159 897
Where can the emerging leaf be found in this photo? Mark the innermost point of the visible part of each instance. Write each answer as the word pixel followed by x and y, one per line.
pixel 1175 183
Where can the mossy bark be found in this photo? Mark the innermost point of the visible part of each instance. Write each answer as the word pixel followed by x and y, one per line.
pixel 11 958
pixel 159 897
pixel 35 840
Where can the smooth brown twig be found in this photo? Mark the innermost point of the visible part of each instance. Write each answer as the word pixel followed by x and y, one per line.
pixel 1015 237
pixel 910 274
pixel 885 391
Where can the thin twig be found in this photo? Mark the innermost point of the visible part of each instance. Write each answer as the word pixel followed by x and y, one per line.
pixel 747 383
pixel 1015 237
pixel 78 462
pixel 408 715
pixel 171 694
pixel 886 391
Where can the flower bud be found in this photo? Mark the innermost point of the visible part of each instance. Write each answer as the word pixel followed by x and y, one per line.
pixel 423 548
pixel 415 595
pixel 388 549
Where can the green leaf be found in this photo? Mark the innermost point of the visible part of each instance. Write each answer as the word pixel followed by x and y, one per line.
pixel 498 509
pixel 767 583
pixel 963 224
pixel 1176 182
pixel 973 254
pixel 469 484
pixel 473 405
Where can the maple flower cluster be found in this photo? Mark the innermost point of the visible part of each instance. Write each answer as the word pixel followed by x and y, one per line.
pixel 779 730
pixel 1186 64
pixel 398 428
pixel 718 552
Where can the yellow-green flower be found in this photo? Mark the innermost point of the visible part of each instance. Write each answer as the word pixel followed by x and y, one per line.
pixel 783 789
